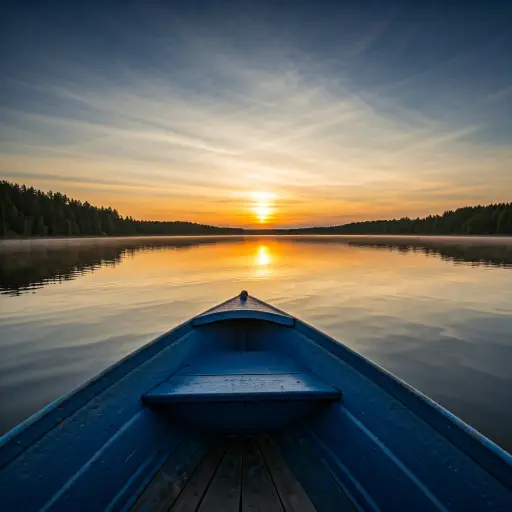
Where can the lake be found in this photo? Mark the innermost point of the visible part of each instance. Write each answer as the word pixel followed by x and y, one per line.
pixel 436 312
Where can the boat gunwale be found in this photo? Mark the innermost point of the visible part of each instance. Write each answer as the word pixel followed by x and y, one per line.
pixel 33 429
pixel 421 404
pixel 486 453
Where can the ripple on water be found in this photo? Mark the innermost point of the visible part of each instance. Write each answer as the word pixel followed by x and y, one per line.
pixel 435 312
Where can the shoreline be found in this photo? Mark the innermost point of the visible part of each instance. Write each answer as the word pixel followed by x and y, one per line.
pixel 490 239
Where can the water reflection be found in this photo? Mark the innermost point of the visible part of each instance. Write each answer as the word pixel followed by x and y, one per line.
pixel 263 260
pixel 27 265
pixel 490 251
pixel 263 256
pixel 436 312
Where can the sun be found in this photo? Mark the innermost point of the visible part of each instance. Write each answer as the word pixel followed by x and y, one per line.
pixel 262 206
pixel 262 212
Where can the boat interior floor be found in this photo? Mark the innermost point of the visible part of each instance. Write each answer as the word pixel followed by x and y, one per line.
pixel 238 474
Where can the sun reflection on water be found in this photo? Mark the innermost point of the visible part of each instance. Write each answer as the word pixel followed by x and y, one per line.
pixel 262 261
pixel 263 256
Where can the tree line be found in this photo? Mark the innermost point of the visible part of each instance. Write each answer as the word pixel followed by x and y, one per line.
pixel 493 219
pixel 26 211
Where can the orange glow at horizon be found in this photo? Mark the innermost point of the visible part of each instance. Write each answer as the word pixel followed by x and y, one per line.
pixel 240 207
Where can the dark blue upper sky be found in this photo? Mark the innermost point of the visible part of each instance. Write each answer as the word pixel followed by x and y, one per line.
pixel 407 101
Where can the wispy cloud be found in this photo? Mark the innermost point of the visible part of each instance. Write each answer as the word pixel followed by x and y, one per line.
pixel 195 135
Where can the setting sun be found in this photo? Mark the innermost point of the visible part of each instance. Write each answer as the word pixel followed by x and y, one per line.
pixel 262 205
pixel 262 212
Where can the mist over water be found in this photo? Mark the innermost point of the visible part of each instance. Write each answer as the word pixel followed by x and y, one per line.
pixel 436 312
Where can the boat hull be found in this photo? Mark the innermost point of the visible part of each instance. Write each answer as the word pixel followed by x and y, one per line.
pixel 352 435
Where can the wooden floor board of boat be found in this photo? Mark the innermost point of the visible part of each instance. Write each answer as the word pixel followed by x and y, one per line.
pixel 191 497
pixel 169 482
pixel 291 493
pixel 225 489
pixel 258 491
pixel 319 483
pixel 247 475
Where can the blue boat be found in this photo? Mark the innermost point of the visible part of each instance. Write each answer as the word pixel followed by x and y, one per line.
pixel 246 408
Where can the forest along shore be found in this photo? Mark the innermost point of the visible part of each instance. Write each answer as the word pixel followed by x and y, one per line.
pixel 28 212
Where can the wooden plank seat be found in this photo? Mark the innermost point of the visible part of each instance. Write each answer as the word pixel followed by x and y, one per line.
pixel 241 388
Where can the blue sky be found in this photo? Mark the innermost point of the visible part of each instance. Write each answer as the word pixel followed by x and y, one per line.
pixel 314 112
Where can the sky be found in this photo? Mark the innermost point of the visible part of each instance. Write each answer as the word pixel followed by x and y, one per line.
pixel 248 113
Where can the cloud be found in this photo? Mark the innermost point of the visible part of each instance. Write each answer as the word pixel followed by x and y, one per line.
pixel 215 124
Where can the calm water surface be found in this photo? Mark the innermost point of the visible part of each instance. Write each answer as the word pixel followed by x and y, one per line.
pixel 435 312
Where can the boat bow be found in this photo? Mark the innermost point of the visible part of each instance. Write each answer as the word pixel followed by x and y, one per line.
pixel 244 307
